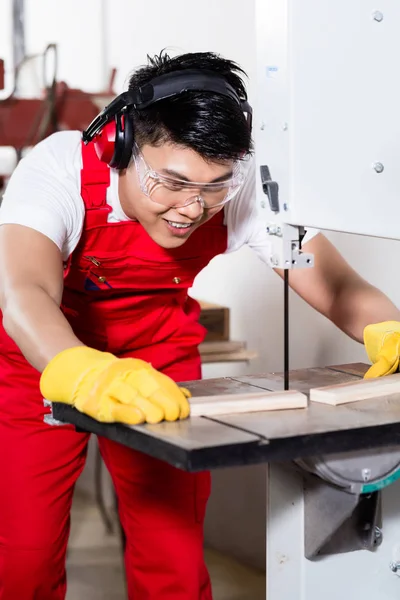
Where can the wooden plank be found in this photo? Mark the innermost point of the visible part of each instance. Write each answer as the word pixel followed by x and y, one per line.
pixel 207 406
pixel 241 356
pixel 225 351
pixel 301 380
pixel 218 347
pixel 356 390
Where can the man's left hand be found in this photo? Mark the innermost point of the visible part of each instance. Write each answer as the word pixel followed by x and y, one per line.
pixel 382 343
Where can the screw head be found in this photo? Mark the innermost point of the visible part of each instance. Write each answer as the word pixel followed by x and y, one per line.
pixel 377 15
pixel 366 474
pixel 379 167
pixel 394 566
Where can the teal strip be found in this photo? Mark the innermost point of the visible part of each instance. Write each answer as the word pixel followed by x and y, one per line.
pixel 379 485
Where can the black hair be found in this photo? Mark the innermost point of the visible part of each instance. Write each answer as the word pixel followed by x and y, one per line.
pixel 210 124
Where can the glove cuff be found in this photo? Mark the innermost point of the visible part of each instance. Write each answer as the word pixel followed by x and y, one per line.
pixel 374 336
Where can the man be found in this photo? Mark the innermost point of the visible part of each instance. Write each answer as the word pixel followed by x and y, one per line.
pixel 95 265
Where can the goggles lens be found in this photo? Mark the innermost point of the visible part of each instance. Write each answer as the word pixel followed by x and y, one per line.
pixel 176 193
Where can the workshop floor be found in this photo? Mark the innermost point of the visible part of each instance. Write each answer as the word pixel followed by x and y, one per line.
pixel 95 570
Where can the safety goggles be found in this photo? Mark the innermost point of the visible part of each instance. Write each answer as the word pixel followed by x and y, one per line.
pixel 176 193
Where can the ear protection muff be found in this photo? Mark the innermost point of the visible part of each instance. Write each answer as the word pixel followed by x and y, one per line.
pixel 113 134
pixel 114 142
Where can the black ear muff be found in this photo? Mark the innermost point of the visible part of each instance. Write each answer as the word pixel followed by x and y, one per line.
pixel 123 142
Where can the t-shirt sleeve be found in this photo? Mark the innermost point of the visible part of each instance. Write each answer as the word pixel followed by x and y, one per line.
pixel 246 225
pixel 44 191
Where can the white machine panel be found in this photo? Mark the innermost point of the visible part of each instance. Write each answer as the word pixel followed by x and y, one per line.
pixel 327 119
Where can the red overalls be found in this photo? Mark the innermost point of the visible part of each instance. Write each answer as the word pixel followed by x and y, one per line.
pixel 124 294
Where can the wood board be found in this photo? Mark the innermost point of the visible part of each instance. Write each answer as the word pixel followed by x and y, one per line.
pixel 240 356
pixel 355 391
pixel 225 351
pixel 221 347
pixel 230 404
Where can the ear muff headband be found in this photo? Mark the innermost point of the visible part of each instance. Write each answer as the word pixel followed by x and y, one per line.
pixel 159 88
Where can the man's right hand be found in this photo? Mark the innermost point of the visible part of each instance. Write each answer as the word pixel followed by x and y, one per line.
pixel 110 389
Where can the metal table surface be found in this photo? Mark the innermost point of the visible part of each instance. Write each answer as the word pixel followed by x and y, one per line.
pixel 201 443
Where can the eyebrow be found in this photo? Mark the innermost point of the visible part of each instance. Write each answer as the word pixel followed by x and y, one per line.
pixel 178 175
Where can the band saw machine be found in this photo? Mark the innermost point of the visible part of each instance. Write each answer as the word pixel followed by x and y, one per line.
pixel 326 132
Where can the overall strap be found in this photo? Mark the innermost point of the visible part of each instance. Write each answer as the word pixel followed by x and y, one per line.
pixel 95 179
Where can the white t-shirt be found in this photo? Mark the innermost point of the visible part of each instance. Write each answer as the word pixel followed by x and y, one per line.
pixel 44 194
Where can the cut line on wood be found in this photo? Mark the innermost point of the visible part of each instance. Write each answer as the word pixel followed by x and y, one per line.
pixel 354 391
pixel 231 404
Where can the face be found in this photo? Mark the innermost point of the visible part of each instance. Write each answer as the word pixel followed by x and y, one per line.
pixel 170 227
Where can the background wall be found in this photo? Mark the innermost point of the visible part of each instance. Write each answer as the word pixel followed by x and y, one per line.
pixel 94 36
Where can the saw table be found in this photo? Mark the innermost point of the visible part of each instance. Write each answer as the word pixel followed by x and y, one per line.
pixel 202 443
pixel 328 523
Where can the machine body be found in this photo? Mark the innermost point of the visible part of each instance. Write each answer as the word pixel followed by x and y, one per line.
pixel 327 123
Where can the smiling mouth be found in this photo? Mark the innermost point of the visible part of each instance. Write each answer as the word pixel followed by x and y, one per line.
pixel 181 226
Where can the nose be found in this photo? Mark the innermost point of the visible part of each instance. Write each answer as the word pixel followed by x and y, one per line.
pixel 192 211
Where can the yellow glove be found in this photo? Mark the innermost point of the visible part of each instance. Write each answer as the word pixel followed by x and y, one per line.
pixel 111 389
pixel 382 343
